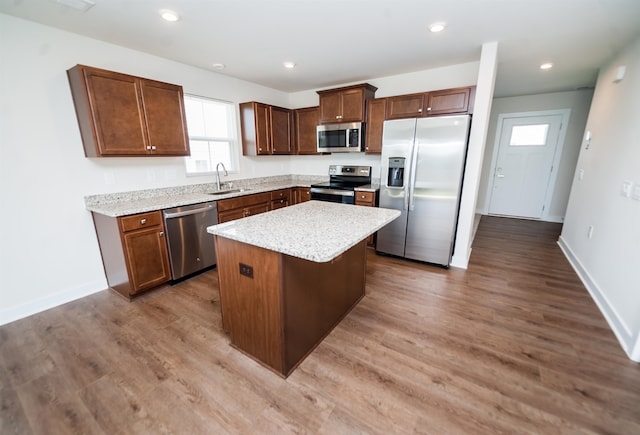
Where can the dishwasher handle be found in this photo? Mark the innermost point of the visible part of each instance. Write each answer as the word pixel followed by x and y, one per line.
pixel 188 212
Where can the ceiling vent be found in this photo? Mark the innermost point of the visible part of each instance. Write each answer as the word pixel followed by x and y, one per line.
pixel 80 5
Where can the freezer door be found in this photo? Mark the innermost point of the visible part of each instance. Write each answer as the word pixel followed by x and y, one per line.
pixel 434 195
pixel 397 143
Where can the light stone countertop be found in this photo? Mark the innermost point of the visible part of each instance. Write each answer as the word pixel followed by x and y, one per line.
pixel 314 230
pixel 127 203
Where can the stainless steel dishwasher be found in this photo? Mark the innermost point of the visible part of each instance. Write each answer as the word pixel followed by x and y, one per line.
pixel 190 246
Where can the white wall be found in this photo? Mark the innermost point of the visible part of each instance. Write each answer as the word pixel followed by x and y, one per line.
pixel 578 102
pixel 608 261
pixel 48 249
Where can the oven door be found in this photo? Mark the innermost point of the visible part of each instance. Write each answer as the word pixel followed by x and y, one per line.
pixel 333 195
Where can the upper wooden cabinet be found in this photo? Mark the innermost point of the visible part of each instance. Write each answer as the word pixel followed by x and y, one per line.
pixel 376 109
pixel 345 104
pixel 265 129
pixel 123 115
pixel 406 106
pixel 305 122
pixel 444 102
pixel 450 101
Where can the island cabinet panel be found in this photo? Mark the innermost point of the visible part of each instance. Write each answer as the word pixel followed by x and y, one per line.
pixel 346 104
pixel 306 121
pixel 123 115
pixel 250 300
pixel 316 297
pixel 278 308
pixel 376 110
pixel 367 199
pixel 134 251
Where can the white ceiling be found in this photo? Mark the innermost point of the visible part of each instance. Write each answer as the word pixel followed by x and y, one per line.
pixel 335 42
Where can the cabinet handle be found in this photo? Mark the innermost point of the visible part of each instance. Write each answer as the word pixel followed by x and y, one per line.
pixel 428 109
pixel 161 233
pixel 143 221
pixel 153 147
pixel 148 148
pixel 420 110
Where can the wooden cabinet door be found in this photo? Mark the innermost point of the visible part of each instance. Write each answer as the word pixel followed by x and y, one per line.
pixel 147 257
pixel 406 106
pixel 230 215
pixel 330 107
pixel 353 105
pixel 306 122
pixel 115 116
pixel 254 127
pixel 165 118
pixel 281 129
pixel 301 194
pixel 375 121
pixel 448 101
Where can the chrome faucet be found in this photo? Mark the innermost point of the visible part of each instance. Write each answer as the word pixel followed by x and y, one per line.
pixel 218 174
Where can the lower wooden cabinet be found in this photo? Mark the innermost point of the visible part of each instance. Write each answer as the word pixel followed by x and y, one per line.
pixel 280 198
pixel 301 194
pixel 243 206
pixel 367 199
pixel 134 251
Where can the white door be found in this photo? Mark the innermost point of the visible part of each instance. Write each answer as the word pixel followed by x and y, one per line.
pixel 523 169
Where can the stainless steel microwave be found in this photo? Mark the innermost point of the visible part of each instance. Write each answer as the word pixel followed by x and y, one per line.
pixel 341 138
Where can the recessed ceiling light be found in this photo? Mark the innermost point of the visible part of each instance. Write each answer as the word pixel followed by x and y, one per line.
pixel 437 27
pixel 547 65
pixel 168 15
pixel 218 65
pixel 289 64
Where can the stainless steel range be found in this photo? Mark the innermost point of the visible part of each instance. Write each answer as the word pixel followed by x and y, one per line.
pixel 342 183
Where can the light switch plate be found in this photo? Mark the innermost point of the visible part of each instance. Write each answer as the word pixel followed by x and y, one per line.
pixel 626 188
pixel 636 192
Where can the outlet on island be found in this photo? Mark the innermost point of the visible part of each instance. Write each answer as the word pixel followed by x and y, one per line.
pixel 246 270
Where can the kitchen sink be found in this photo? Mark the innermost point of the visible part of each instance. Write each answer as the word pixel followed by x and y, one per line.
pixel 226 191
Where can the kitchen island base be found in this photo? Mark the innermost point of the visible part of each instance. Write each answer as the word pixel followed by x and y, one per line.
pixel 277 308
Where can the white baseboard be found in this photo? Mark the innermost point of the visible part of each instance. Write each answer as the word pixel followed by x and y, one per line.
pixel 617 325
pixel 11 314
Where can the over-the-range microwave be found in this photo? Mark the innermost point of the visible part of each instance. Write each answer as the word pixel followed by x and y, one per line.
pixel 341 138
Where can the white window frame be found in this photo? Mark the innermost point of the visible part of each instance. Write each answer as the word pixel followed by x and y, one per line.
pixel 232 139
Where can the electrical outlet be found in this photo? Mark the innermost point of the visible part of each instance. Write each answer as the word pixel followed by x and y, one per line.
pixel 246 270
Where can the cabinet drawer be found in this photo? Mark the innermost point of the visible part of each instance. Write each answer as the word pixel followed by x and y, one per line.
pixel 280 194
pixel 138 221
pixel 279 203
pixel 365 198
pixel 243 201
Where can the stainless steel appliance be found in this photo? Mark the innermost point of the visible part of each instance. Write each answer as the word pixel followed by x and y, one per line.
pixel 421 175
pixel 191 248
pixel 340 138
pixel 342 183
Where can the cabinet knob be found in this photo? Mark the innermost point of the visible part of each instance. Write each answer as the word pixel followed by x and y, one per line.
pixel 428 109
pixel 153 147
pixel 419 110
pixel 143 221
pixel 148 148
pixel 161 233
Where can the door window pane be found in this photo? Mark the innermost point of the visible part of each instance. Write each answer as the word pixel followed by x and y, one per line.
pixel 528 135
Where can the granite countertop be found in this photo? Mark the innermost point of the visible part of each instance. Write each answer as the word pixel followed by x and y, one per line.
pixel 127 203
pixel 315 230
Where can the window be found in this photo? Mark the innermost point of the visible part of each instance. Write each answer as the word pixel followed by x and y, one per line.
pixel 212 134
pixel 526 135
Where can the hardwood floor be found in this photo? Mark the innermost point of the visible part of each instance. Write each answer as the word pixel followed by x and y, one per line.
pixel 514 344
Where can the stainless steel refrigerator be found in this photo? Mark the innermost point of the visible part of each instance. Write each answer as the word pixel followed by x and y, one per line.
pixel 421 175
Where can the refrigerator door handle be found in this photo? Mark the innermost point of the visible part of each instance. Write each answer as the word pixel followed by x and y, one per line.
pixel 412 175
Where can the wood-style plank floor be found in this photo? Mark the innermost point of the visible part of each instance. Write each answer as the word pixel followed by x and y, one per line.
pixel 514 344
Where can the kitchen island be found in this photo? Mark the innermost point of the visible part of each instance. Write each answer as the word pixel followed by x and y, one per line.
pixel 289 276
